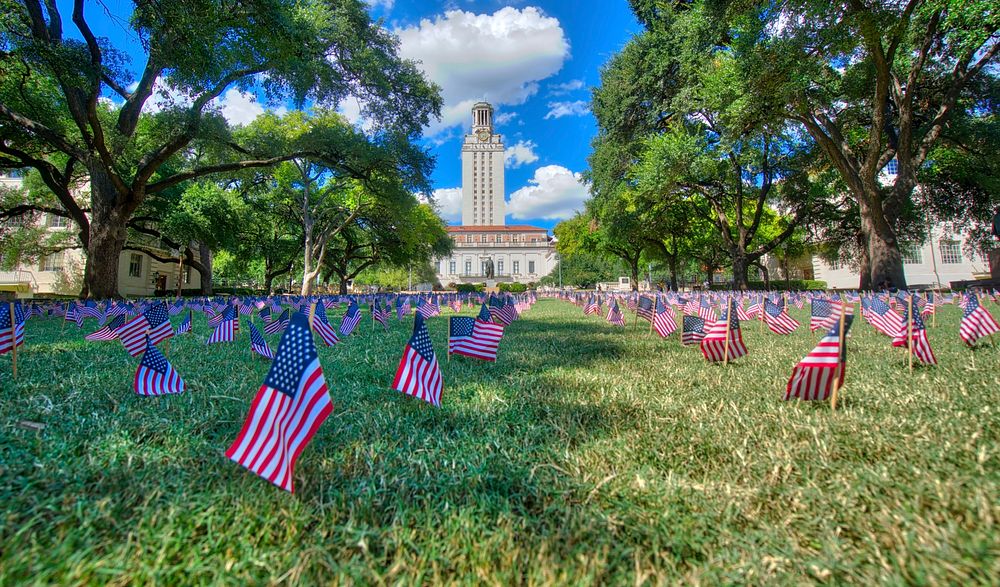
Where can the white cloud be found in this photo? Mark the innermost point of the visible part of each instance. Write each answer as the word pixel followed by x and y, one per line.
pixel 235 106
pixel 386 5
pixel 497 57
pixel 448 202
pixel 504 117
pixel 560 109
pixel 522 153
pixel 566 88
pixel 554 193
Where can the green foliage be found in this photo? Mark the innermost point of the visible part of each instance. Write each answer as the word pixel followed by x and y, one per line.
pixel 467 287
pixel 570 460
pixel 583 270
pixel 512 287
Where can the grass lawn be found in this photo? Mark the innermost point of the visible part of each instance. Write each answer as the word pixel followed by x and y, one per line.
pixel 586 455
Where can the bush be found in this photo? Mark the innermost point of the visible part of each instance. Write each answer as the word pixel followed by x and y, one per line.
pixel 469 287
pixel 512 287
pixel 791 285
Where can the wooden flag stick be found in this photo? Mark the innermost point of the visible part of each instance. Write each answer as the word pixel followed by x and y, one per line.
pixel 13 340
pixel 729 320
pixel 65 317
pixel 840 349
pixel 651 319
pixel 909 329
pixel 312 314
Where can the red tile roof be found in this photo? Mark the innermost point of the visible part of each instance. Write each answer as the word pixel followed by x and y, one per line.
pixel 508 228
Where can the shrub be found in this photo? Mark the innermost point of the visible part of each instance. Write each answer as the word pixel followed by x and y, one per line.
pixel 512 287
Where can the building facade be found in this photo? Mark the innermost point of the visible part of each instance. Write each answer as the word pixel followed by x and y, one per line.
pixel 61 273
pixel 931 264
pixel 518 253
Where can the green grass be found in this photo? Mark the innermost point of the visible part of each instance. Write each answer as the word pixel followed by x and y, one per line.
pixel 586 455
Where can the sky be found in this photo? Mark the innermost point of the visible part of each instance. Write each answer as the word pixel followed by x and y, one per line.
pixel 535 61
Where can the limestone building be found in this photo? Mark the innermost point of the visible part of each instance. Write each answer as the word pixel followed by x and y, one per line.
pixel 519 253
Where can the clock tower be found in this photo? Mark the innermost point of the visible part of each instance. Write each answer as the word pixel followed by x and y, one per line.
pixel 482 171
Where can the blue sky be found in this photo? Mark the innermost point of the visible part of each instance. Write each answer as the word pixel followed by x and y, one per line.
pixel 536 61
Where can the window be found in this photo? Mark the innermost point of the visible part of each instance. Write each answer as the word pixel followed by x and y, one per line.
pixel 468 267
pixel 911 254
pixel 499 266
pixel 516 265
pixel 53 221
pixel 531 267
pixel 468 238
pixel 187 274
pixel 951 252
pixel 482 267
pixel 834 265
pixel 135 265
pixel 53 262
pixel 451 267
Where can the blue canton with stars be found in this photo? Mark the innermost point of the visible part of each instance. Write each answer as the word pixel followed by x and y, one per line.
pixel 694 324
pixel 296 351
pixel 154 359
pixel 156 315
pixel 462 326
pixel 971 304
pixel 421 340
pixel 484 314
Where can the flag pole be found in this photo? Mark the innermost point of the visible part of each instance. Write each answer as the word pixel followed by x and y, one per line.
pixel 838 370
pixel 65 316
pixel 312 314
pixel 13 339
pixel 450 318
pixel 729 321
pixel 909 329
pixel 653 318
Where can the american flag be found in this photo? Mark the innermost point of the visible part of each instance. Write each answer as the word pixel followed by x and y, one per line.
pixel 265 314
pixel 777 319
pixel 741 313
pixel 176 308
pixel 381 315
pixel 322 327
pixel 883 318
pixel 631 303
pixel 155 375
pixel 691 305
pixel 644 308
pixel 351 319
pixel 693 330
pixel 663 321
pixel 706 311
pixel 11 334
pixel 813 377
pixel 288 410
pixel 591 307
pixel 754 309
pixel 426 309
pixel 226 330
pixel 615 314
pixel 185 326
pixel 278 324
pixel 977 321
pixel 477 337
pixel 258 344
pixel 109 331
pixel 502 311
pixel 930 307
pixel 919 345
pixel 402 308
pixel 418 373
pixel 823 314
pixel 153 323
pixel 713 346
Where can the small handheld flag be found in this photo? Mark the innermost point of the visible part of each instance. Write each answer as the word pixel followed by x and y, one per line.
pixel 418 373
pixel 155 375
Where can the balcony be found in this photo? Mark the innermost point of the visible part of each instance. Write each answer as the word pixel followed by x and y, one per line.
pixel 18 281
pixel 479 245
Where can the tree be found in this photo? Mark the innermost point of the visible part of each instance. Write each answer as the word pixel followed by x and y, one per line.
pixel 606 228
pixel 871 83
pixel 394 237
pixel 53 117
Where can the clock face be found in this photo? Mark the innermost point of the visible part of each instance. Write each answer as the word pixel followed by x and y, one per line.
pixel 484 135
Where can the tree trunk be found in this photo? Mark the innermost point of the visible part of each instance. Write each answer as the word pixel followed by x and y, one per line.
pixel 634 268
pixel 343 286
pixel 107 238
pixel 740 279
pixel 884 258
pixel 672 265
pixel 206 276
